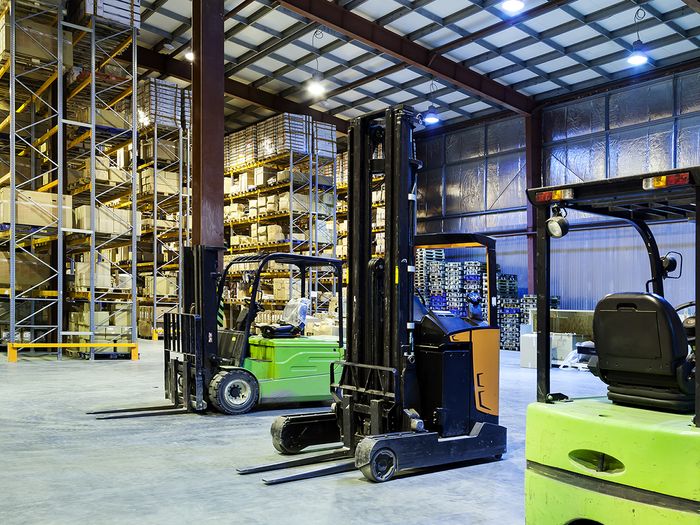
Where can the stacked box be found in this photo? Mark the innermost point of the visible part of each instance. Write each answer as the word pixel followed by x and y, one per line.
pixel 167 182
pixel 164 285
pixel 168 150
pixel 324 140
pixel 342 169
pixel 121 12
pixel 30 269
pixel 108 118
pixel 262 175
pixel 111 221
pixel 300 177
pixel 423 259
pixel 275 233
pixel 242 148
pixel 35 208
pixel 283 134
pixel 186 108
pixel 159 102
pixel 103 275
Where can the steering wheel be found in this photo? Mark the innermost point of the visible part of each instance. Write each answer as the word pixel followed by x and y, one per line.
pixel 688 322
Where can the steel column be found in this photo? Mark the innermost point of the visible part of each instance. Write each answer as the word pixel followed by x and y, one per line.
pixel 208 122
pixel 544 356
pixel 533 179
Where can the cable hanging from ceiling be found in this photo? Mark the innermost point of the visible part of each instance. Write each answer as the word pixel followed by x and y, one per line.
pixel 315 85
pixel 638 56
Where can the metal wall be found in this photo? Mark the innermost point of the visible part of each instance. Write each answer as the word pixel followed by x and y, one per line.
pixel 474 180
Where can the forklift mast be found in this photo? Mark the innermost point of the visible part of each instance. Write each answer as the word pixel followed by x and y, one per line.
pixel 380 327
pixel 390 132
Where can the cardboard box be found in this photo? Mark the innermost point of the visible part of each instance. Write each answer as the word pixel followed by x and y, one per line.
pixel 166 182
pixel 111 221
pixel 262 174
pixel 246 181
pixel 164 285
pixel 275 233
pixel 30 270
pixel 168 151
pixel 103 275
pixel 35 208
pixel 272 203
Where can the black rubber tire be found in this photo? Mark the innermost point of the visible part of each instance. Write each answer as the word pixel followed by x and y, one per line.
pixel 382 466
pixel 230 384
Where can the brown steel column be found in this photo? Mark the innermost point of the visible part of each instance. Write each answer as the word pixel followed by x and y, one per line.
pixel 208 122
pixel 533 179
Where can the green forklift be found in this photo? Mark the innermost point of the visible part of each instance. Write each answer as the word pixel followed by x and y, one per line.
pixel 632 456
pixel 232 370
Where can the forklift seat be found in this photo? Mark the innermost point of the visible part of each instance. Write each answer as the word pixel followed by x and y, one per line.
pixel 292 322
pixel 643 352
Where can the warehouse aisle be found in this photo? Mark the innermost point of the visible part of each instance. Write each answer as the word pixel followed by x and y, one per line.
pixel 59 465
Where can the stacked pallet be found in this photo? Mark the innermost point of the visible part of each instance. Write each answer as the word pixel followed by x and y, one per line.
pixel 121 12
pixel 159 103
pixel 283 134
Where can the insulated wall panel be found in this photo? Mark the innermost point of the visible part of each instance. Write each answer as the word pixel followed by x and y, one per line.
pixel 688 149
pixel 574 162
pixel 463 145
pixel 688 93
pixel 505 181
pixel 430 193
pixel 464 187
pixel 505 135
pixel 574 120
pixel 642 104
pixel 641 150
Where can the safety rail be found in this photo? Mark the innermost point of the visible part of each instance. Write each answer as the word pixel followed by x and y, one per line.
pixel 13 348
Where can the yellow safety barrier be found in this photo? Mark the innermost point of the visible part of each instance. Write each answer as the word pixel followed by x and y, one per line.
pixel 12 348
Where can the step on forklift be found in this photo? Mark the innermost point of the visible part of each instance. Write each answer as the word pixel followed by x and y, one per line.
pixel 230 369
pixel 634 455
pixel 419 388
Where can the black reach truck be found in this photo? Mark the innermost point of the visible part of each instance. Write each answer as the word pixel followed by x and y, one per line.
pixel 419 388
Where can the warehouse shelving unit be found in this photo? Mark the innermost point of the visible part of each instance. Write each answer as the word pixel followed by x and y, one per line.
pixel 101 136
pixel 33 233
pixel 307 159
pixel 163 200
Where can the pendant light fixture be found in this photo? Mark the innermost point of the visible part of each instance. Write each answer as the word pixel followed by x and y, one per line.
pixel 638 56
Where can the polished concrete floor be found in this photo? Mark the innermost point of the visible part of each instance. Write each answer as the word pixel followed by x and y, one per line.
pixel 60 465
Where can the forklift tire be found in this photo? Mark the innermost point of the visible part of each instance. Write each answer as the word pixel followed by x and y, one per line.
pixel 234 392
pixel 381 467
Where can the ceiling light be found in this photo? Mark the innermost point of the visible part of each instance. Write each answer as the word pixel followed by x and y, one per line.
pixel 189 56
pixel 315 87
pixel 638 57
pixel 513 6
pixel 431 116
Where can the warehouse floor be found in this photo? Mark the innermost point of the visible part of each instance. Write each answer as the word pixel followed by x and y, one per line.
pixel 59 465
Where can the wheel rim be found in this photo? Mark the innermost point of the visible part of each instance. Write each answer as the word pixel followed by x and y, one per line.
pixel 384 464
pixel 237 392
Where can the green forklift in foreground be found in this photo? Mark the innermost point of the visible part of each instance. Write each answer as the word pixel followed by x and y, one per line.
pixel 633 457
pixel 230 369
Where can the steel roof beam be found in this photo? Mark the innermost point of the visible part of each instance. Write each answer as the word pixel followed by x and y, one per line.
pixel 693 4
pixel 374 35
pixel 149 59
pixel 584 44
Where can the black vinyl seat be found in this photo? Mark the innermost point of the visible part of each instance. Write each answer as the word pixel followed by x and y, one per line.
pixel 643 352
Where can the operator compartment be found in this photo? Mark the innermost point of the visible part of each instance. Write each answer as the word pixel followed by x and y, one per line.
pixel 456 340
